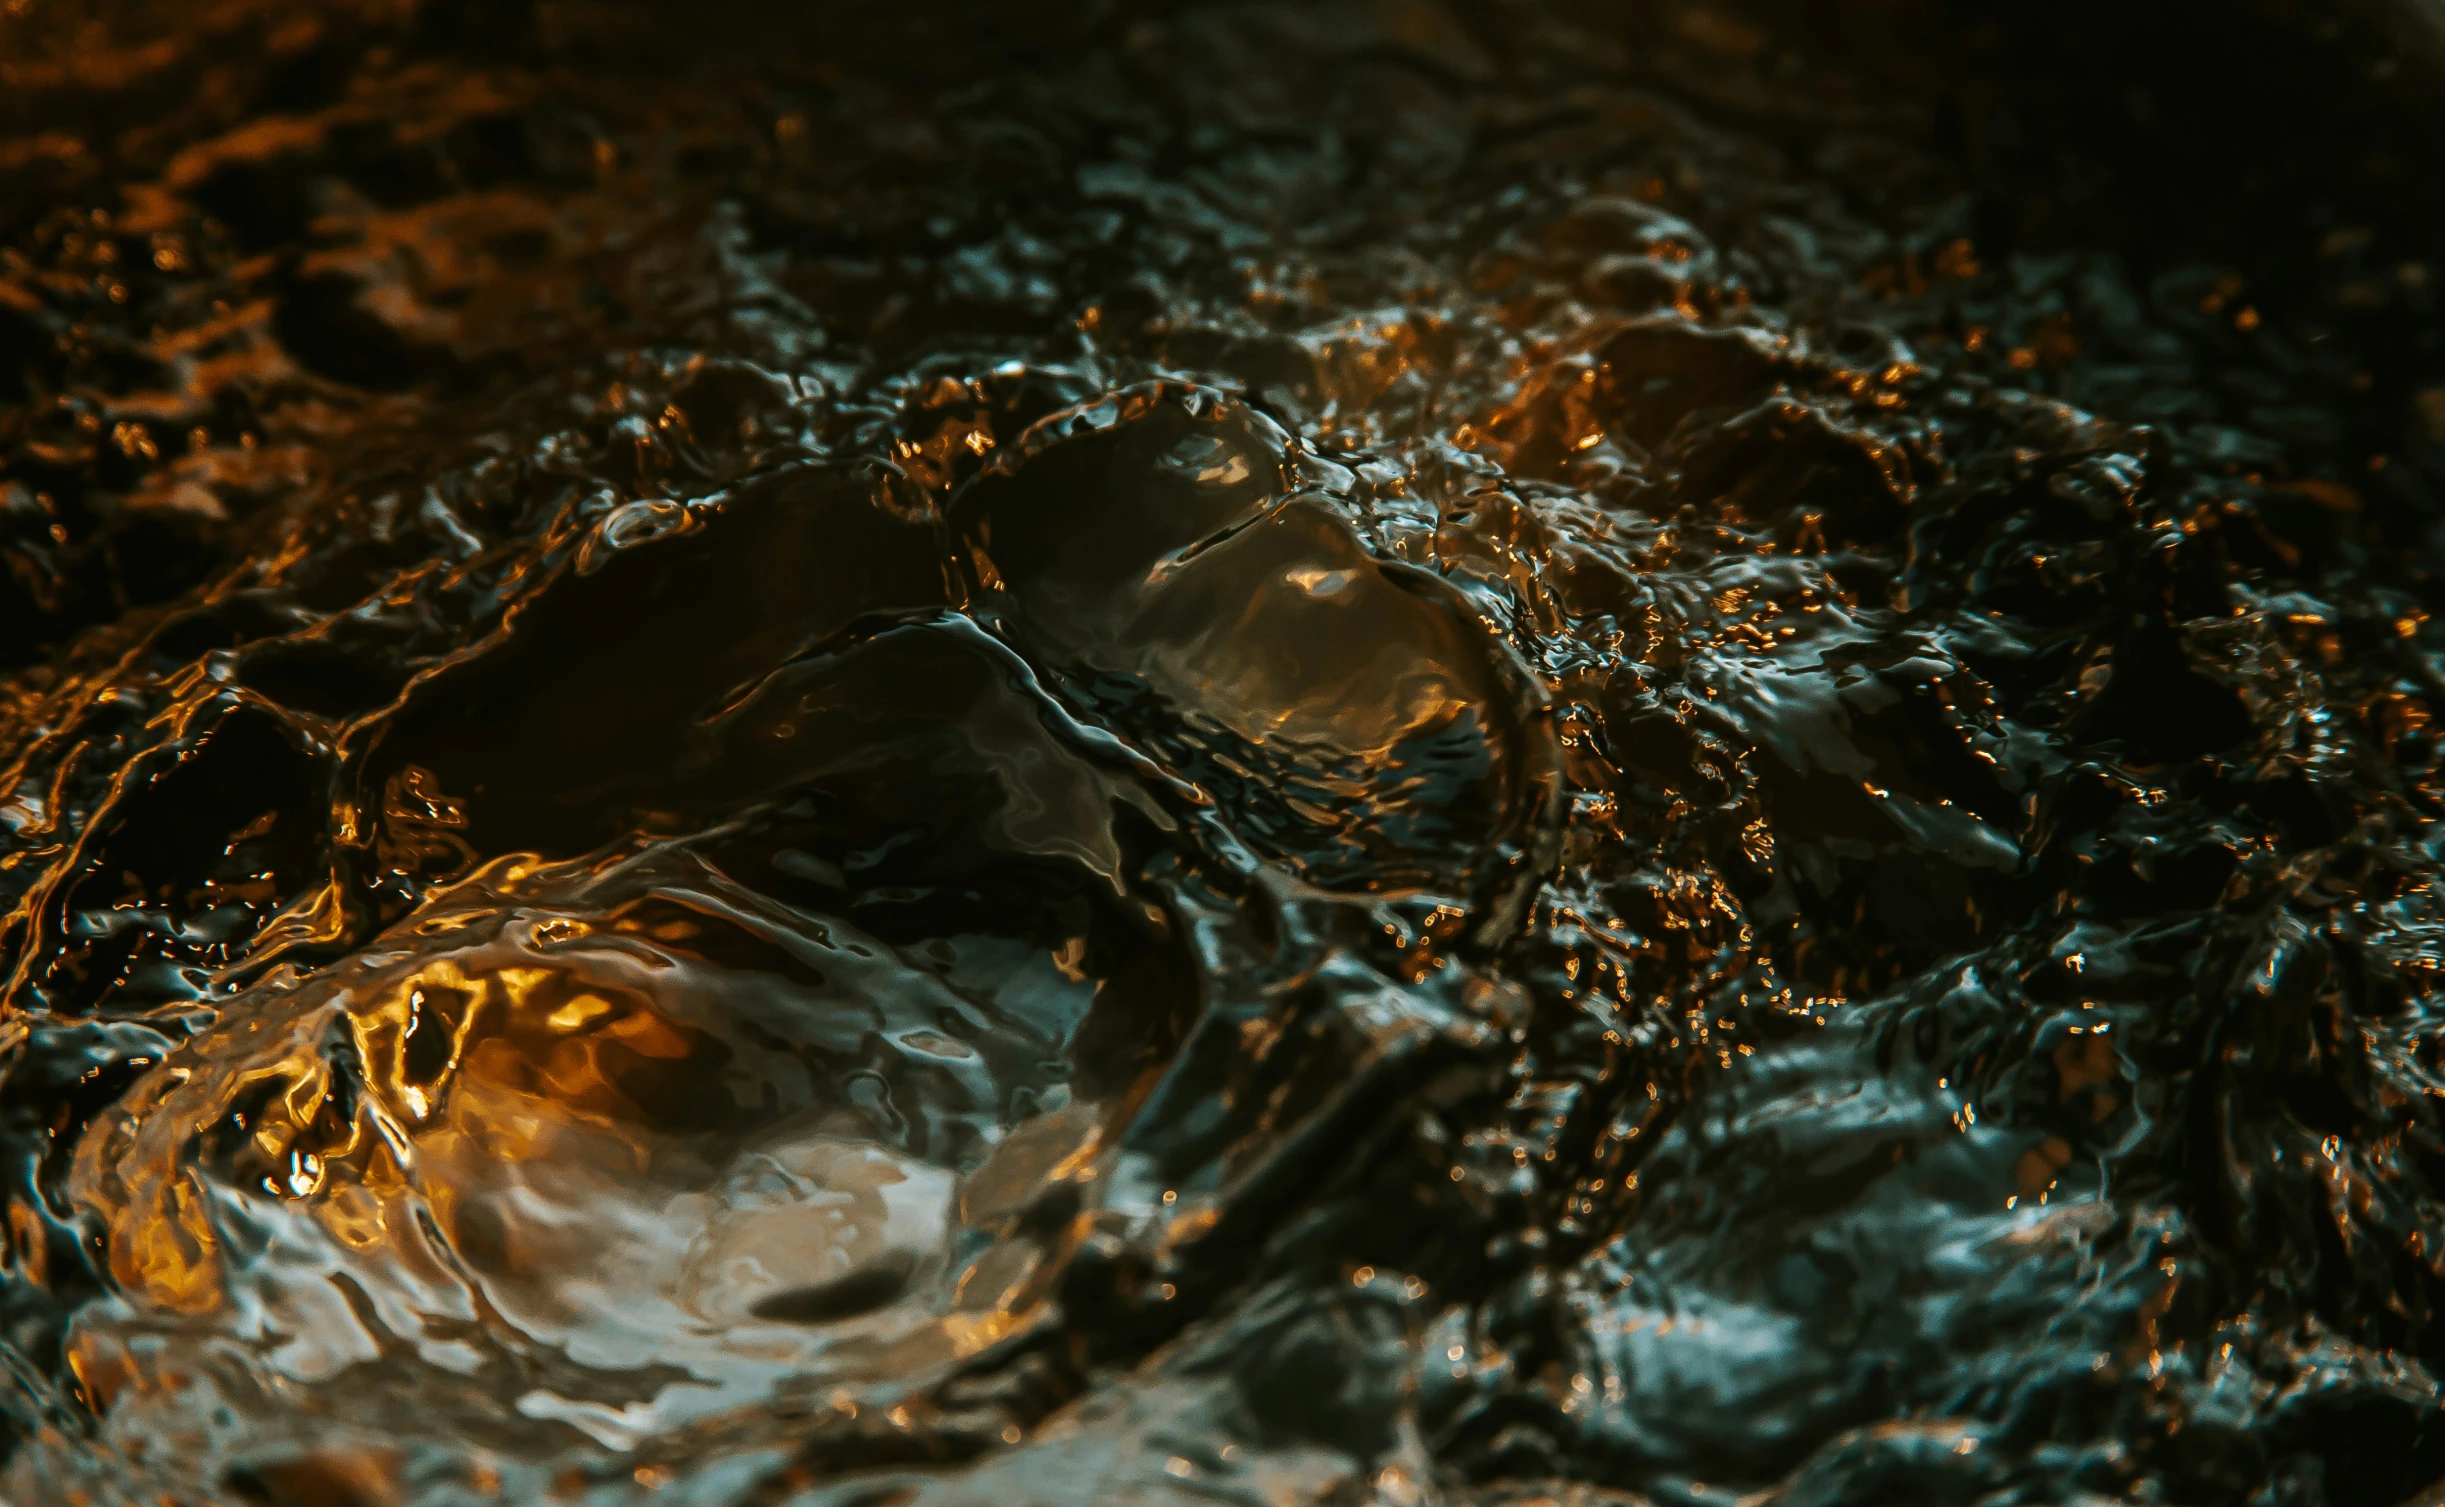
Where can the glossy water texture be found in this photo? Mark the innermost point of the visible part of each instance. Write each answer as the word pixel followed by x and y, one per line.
pixel 1375 752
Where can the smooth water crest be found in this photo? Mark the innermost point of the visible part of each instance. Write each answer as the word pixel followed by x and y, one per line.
pixel 1480 752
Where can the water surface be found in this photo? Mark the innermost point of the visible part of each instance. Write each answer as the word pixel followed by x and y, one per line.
pixel 1479 752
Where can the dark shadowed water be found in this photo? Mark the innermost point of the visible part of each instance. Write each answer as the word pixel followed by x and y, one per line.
pixel 1371 752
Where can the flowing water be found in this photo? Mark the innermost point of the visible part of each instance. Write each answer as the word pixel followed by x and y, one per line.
pixel 1366 752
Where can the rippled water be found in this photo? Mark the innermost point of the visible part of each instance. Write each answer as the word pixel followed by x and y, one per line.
pixel 1479 753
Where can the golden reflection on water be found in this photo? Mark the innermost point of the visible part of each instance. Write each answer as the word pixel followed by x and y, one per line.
pixel 573 1129
pixel 1332 752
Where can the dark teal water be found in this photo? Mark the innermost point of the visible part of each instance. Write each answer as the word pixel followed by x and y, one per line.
pixel 1393 753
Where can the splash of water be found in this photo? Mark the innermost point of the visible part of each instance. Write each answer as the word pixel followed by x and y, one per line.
pixel 1393 752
